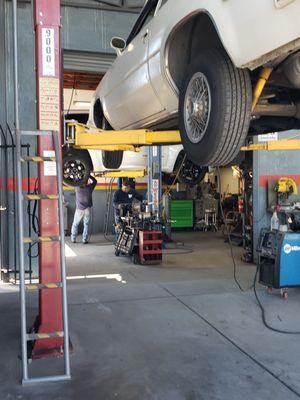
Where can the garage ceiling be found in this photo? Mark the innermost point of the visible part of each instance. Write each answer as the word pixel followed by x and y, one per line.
pixel 81 80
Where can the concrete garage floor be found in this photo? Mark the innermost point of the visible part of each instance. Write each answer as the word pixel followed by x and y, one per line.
pixel 179 331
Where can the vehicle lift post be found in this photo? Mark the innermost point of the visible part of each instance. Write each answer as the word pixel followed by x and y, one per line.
pixel 154 179
pixel 48 75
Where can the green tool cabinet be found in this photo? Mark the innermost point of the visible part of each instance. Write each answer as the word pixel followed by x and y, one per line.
pixel 182 214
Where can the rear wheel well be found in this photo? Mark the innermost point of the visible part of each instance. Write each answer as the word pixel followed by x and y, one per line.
pixel 196 33
pixel 98 113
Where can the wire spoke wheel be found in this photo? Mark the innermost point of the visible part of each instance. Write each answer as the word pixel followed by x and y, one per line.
pixel 214 108
pixel 197 107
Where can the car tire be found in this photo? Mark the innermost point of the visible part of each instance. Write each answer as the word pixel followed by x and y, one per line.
pixel 77 169
pixel 214 109
pixel 190 173
pixel 110 159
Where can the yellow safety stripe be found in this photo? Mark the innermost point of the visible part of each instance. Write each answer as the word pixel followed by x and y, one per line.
pixel 41 196
pixel 44 239
pixel 38 159
pixel 33 336
pixel 43 286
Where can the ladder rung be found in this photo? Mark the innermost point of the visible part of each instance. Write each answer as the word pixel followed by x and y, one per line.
pixel 40 196
pixel 37 158
pixel 37 286
pixel 44 379
pixel 42 239
pixel 35 336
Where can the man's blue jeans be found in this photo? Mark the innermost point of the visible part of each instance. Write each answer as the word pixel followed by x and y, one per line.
pixel 80 215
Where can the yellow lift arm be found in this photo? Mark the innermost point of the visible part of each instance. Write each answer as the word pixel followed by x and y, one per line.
pixel 140 173
pixel 277 145
pixel 83 137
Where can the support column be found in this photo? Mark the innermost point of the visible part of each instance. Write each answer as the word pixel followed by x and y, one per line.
pixel 49 88
pixel 4 231
pixel 155 179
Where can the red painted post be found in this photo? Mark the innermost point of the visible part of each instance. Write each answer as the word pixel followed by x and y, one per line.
pixel 49 88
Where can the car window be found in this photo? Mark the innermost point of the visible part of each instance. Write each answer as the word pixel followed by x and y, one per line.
pixel 145 17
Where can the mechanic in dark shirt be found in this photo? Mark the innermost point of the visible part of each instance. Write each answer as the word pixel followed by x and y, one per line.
pixel 126 195
pixel 84 204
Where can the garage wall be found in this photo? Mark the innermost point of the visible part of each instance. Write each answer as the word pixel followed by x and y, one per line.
pixel 266 165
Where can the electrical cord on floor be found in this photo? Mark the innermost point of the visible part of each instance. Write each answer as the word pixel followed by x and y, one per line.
pixel 178 252
pixel 228 235
pixel 179 248
pixel 263 312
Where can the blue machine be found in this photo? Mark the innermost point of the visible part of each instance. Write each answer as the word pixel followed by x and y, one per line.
pixel 279 259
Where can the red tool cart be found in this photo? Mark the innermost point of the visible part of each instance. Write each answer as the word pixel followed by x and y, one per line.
pixel 150 247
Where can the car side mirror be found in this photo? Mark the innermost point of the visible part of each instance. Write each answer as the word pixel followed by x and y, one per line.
pixel 118 44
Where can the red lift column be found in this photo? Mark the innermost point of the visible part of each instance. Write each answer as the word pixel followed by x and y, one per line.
pixel 49 87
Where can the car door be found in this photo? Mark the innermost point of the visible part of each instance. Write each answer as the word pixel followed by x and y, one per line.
pixel 128 95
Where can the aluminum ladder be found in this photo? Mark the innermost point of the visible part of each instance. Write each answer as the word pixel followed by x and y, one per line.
pixel 22 240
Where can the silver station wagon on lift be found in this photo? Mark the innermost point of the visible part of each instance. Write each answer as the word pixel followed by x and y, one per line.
pixel 193 65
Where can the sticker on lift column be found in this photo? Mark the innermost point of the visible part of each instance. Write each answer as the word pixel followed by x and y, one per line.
pixel 155 193
pixel 49 99
pixel 48 52
pixel 49 166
